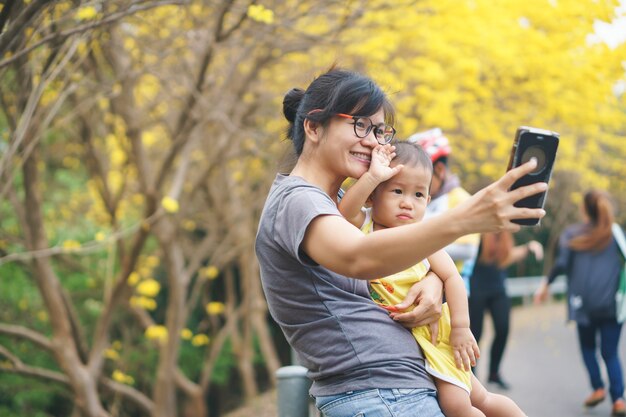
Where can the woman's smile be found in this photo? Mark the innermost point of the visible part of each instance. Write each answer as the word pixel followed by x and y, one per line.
pixel 364 157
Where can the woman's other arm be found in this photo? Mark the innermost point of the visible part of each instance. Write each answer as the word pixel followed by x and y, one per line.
pixel 335 244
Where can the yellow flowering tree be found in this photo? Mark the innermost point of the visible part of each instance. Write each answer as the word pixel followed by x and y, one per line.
pixel 138 140
pixel 480 69
pixel 132 134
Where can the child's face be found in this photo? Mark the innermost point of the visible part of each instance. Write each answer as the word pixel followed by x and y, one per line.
pixel 402 199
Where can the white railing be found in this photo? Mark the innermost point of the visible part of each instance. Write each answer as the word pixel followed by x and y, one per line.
pixel 524 287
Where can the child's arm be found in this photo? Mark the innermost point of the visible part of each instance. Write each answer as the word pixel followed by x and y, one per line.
pixel 461 338
pixel 356 196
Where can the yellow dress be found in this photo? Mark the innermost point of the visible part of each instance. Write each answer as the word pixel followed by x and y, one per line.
pixel 391 290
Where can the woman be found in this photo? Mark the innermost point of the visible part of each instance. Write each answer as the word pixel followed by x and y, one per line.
pixel 315 265
pixel 589 255
pixel 488 292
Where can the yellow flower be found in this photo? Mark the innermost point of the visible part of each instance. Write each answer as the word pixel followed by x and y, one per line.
pixel 133 278
pixel 118 157
pixel 86 13
pixel 111 354
pixel 259 13
pixel 117 345
pixel 100 236
pixel 122 378
pixel 152 261
pixel 186 334
pixel 237 176
pixel 200 340
pixel 71 244
pixel 42 315
pixel 148 138
pixel 211 272
pixel 148 288
pixel 103 103
pixel 156 332
pixel 215 307
pixel 169 204
pixel 143 302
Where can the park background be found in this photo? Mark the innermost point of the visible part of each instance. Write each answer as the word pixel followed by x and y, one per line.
pixel 138 140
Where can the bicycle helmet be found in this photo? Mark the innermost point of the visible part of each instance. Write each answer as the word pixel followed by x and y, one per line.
pixel 434 143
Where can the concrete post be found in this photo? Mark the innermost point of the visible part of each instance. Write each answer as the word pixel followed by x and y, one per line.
pixel 293 391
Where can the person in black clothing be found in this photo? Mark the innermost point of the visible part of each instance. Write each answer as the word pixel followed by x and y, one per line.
pixel 590 257
pixel 487 292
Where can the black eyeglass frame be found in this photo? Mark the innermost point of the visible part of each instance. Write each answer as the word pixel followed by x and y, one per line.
pixel 369 129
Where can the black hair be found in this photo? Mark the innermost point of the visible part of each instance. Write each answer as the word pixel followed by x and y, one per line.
pixel 412 155
pixel 442 159
pixel 336 91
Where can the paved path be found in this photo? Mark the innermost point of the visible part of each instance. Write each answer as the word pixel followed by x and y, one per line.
pixel 543 365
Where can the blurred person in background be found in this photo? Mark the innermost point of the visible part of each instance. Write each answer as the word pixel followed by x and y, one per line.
pixel 590 257
pixel 488 292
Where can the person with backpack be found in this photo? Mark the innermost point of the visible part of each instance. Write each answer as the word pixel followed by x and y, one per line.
pixel 590 257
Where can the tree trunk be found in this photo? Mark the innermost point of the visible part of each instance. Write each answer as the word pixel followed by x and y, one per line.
pixel 64 346
pixel 165 386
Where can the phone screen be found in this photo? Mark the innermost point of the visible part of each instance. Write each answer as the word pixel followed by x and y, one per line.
pixel 539 144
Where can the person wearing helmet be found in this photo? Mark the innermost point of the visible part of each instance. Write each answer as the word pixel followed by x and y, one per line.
pixel 446 193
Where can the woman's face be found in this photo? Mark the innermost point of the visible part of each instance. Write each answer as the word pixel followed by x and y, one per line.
pixel 345 154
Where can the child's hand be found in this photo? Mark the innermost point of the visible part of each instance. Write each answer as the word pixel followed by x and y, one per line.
pixel 464 347
pixel 381 159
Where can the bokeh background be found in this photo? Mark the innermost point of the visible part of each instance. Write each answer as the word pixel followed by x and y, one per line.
pixel 138 140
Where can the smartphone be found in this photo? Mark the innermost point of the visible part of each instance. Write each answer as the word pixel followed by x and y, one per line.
pixel 541 144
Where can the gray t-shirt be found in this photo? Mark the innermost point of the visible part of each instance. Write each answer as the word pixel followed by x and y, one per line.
pixel 345 341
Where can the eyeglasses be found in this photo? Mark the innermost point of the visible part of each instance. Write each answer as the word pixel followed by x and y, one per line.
pixel 363 126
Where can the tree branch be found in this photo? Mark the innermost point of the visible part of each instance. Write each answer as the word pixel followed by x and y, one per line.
pixel 64 34
pixel 26 334
pixel 20 23
pixel 129 393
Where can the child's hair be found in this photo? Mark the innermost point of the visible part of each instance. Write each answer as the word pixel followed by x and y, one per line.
pixel 598 207
pixel 412 155
pixel 336 91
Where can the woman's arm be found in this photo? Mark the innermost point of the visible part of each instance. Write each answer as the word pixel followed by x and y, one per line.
pixel 520 252
pixel 559 267
pixel 335 244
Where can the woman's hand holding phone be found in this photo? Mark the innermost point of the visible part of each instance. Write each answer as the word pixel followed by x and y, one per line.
pixel 493 209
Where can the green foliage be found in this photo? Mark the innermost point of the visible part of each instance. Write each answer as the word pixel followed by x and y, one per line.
pixel 21 396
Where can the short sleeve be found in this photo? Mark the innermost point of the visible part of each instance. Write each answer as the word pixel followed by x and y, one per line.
pixel 297 208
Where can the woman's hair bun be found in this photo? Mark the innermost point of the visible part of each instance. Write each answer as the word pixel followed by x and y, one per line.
pixel 291 102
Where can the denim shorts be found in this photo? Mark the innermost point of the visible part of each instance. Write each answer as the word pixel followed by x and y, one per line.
pixel 396 402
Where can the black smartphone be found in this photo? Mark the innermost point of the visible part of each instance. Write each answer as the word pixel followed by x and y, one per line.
pixel 541 144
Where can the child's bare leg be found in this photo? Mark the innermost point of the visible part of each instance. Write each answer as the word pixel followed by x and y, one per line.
pixel 454 401
pixel 491 404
